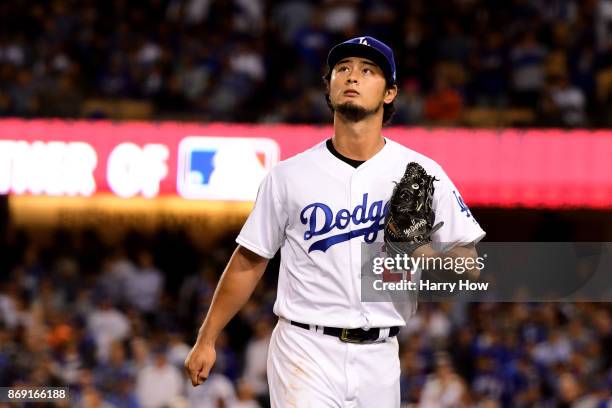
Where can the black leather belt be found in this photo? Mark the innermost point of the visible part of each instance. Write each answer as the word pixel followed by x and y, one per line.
pixel 352 335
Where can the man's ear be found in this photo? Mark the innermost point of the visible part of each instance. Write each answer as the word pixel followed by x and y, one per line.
pixel 390 94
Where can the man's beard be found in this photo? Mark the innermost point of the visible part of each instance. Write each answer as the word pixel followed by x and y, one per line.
pixel 355 113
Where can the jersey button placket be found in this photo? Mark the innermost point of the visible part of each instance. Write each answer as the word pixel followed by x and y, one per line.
pixel 357 192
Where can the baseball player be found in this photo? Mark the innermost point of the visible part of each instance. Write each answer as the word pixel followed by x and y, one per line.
pixel 330 349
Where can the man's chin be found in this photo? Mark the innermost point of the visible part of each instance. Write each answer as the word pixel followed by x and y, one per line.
pixel 350 104
pixel 353 112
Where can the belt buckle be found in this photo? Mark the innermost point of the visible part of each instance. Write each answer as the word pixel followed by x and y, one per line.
pixel 345 337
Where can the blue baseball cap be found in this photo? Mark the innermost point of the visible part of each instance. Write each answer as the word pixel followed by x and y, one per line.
pixel 366 47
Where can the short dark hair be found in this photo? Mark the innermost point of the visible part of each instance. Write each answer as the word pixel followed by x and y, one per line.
pixel 388 108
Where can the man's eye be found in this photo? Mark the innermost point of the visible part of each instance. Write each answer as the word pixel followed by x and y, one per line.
pixel 367 70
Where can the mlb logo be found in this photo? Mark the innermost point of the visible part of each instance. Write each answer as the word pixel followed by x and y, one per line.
pixel 224 168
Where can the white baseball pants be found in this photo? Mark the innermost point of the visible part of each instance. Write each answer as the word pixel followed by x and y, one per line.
pixel 308 369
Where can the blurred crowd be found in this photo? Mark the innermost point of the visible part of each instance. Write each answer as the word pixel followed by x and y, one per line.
pixel 114 322
pixel 262 61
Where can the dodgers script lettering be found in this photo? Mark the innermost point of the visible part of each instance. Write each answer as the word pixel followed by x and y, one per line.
pixel 321 220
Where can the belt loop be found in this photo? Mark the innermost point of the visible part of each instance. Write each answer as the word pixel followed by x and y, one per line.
pixel 383 333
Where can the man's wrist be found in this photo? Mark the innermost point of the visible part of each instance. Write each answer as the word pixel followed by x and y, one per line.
pixel 205 339
pixel 425 251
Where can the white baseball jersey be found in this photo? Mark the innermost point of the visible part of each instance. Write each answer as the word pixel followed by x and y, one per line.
pixel 319 210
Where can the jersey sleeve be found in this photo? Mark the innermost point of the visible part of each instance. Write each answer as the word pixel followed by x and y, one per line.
pixel 264 230
pixel 460 226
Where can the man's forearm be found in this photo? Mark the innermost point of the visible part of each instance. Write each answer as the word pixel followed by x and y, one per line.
pixel 243 272
pixel 465 252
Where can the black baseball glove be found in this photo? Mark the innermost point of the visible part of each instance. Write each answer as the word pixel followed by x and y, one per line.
pixel 409 220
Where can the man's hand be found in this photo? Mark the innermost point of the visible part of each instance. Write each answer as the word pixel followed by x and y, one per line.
pixel 199 362
pixel 236 285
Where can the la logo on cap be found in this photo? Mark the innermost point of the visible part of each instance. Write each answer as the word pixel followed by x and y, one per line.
pixel 363 41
